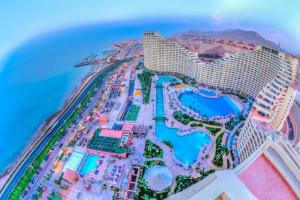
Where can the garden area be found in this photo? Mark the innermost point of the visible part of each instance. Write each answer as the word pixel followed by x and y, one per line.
pixel 183 182
pixel 145 80
pixel 195 124
pixel 152 150
pixel 221 149
pixel 186 119
pixel 233 122
pixel 213 130
pixel 133 113
pixel 144 192
pixel 183 118
pixel 150 163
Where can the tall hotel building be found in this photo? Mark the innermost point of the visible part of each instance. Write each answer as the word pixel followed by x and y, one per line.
pixel 265 74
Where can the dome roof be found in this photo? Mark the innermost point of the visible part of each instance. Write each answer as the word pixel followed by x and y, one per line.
pixel 158 178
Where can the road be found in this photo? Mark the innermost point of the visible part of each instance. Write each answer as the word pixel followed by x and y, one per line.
pixel 50 132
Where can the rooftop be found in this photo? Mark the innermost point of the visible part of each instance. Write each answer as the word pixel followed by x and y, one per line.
pixel 70 176
pixel 262 173
pixel 110 133
pixel 109 141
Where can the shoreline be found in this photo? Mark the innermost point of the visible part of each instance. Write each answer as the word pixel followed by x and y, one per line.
pixel 48 129
pixel 53 116
pixel 45 125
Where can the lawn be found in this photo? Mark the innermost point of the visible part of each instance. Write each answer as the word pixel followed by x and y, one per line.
pixel 133 113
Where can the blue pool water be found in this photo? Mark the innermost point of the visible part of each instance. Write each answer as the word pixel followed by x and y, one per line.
pixel 209 107
pixel 89 164
pixel 186 148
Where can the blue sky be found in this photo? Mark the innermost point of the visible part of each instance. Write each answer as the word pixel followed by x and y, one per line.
pixel 275 19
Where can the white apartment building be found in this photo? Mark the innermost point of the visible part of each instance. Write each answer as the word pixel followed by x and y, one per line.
pixel 265 74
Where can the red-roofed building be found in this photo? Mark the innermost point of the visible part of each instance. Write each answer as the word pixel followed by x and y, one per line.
pixel 70 176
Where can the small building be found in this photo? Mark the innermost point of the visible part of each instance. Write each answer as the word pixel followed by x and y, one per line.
pixel 140 130
pixel 70 176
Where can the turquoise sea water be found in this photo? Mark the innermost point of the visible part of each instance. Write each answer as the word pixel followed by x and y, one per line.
pixel 89 164
pixel 186 148
pixel 209 107
pixel 38 76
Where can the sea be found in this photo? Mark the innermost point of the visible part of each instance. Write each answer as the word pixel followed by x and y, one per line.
pixel 39 76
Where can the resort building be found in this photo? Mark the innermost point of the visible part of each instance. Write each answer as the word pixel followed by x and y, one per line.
pixel 271 172
pixel 110 142
pixel 267 75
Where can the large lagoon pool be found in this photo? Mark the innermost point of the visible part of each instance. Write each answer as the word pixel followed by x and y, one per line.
pixel 209 107
pixel 186 148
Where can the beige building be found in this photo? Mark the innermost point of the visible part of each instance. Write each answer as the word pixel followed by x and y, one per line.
pixel 265 74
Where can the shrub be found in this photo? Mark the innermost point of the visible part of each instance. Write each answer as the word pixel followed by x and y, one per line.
pixel 212 130
pixel 152 150
pixel 168 143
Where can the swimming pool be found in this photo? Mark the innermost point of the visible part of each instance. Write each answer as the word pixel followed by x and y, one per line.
pixel 89 164
pixel 74 161
pixel 185 148
pixel 209 107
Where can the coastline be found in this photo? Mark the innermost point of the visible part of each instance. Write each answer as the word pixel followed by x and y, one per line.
pixel 22 166
pixel 45 127
pixel 48 123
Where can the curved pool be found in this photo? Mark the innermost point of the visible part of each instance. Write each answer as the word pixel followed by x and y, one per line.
pixel 209 107
pixel 185 148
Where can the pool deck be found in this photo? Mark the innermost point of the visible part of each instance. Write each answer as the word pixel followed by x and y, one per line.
pixel 176 167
